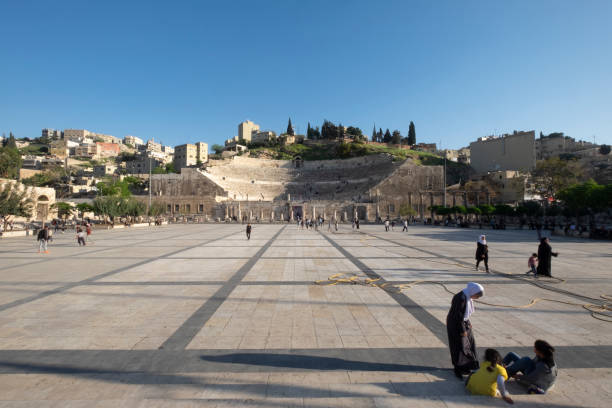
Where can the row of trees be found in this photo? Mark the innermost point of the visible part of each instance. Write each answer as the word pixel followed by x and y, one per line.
pixel 576 200
pixel 395 137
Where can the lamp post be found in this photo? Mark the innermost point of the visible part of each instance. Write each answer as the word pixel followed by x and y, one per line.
pixel 150 185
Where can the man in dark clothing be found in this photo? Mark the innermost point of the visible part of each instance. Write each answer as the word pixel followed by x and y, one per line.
pixel 248 231
pixel 544 257
pixel 43 237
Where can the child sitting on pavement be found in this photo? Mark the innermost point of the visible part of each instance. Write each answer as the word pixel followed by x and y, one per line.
pixel 537 374
pixel 490 378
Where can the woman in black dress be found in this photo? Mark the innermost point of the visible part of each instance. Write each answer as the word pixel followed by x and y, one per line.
pixel 544 257
pixel 460 337
pixel 482 252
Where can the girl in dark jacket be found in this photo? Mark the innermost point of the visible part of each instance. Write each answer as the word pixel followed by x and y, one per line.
pixel 482 252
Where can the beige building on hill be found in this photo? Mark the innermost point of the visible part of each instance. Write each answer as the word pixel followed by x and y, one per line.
pixel 189 154
pixel 514 151
pixel 246 130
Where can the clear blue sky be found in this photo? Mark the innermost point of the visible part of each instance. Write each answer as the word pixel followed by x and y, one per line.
pixel 184 71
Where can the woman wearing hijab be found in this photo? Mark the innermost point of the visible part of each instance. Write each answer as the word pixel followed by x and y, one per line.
pixel 482 252
pixel 544 257
pixel 460 337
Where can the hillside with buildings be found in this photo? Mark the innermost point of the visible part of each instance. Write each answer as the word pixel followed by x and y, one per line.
pixel 336 166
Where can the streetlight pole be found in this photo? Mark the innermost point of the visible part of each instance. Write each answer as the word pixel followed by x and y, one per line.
pixel 150 185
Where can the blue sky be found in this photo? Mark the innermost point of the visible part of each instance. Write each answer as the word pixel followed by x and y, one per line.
pixel 185 71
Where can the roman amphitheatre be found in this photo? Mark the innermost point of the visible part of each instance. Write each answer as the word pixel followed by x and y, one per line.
pixel 367 188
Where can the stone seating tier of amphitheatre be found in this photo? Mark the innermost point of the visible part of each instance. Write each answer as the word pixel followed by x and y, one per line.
pixel 276 179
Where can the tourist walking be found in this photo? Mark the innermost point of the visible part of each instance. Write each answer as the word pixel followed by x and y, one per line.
pixel 544 257
pixel 405 225
pixel 460 337
pixel 43 237
pixel 482 252
pixel 387 225
pixel 248 231
pixel 80 235
pixel 538 374
pixel 336 224
pixel 357 223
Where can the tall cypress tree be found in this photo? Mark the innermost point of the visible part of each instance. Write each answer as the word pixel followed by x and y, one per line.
pixel 11 141
pixel 379 136
pixel 374 133
pixel 309 132
pixel 411 134
pixel 290 128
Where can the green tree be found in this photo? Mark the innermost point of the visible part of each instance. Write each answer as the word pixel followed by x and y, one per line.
pixel 387 136
pixel 411 134
pixel 11 142
pixel 406 210
pixel 604 149
pixel 396 137
pixel 217 148
pixel 83 208
pixel 10 162
pixel 309 132
pixel 14 201
pixel 379 135
pixel 156 209
pixel 170 168
pixel 63 209
pixel 553 175
pixel 374 134
pixel 290 128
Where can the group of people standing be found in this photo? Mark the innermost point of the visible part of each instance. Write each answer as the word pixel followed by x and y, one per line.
pixel 537 374
pixel 539 263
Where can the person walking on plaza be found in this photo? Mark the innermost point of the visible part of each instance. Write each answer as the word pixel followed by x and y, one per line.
pixel 405 225
pixel 387 225
pixel 336 224
pixel 537 374
pixel 544 257
pixel 248 231
pixel 43 237
pixel 80 234
pixel 482 252
pixel 460 337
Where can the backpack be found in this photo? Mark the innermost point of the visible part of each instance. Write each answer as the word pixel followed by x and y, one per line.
pixel 41 234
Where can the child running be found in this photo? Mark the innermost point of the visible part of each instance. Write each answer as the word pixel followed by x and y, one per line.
pixel 533 263
pixel 490 377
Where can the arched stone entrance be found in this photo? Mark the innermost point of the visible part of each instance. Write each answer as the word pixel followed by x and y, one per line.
pixel 42 207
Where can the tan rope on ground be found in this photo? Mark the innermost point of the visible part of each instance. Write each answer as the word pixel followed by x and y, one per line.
pixel 599 312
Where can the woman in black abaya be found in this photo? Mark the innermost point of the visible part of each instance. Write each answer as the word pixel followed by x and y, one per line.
pixel 460 337
pixel 544 257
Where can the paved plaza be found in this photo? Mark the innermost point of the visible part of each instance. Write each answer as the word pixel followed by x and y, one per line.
pixel 197 315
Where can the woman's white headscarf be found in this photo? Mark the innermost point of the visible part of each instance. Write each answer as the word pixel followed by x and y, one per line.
pixel 482 239
pixel 470 290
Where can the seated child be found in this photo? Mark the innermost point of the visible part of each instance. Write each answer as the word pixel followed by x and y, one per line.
pixel 538 374
pixel 533 263
pixel 490 377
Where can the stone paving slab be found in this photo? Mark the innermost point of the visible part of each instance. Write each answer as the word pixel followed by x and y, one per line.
pixel 197 315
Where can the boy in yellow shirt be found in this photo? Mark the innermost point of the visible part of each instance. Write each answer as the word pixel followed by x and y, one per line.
pixel 490 377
